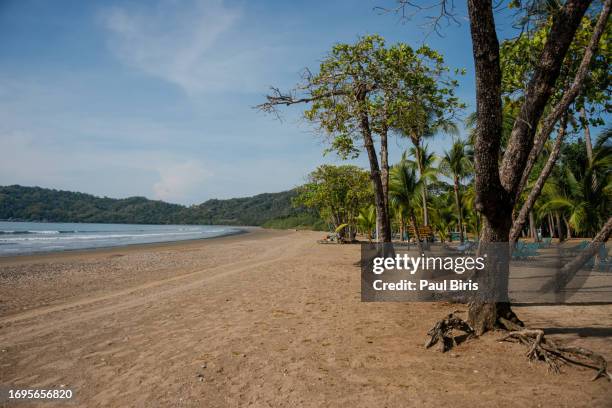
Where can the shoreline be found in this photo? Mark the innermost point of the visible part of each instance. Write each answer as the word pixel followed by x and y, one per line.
pixel 266 318
pixel 152 245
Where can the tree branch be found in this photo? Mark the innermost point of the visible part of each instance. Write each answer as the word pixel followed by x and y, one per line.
pixel 434 23
pixel 538 92
pixel 568 97
pixel 534 194
pixel 277 97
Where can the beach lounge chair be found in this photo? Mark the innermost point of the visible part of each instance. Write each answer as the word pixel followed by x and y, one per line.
pixel 546 242
pixel 577 248
pixel 467 247
pixel 519 251
pixel 605 260
pixel 524 250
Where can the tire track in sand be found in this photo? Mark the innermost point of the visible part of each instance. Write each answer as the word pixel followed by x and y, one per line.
pixel 41 321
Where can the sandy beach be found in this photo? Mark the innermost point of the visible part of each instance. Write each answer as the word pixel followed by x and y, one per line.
pixel 265 319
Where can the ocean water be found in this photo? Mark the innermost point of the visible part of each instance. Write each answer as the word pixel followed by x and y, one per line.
pixel 31 237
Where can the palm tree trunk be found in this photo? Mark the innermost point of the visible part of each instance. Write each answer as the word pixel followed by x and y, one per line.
pixel 567 226
pixel 419 160
pixel 559 228
pixel 532 227
pixel 425 210
pixel 459 209
pixel 413 222
pixel 551 228
pixel 587 135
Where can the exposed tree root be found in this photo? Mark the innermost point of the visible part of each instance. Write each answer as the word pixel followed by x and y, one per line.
pixel 540 348
pixel 543 349
pixel 442 332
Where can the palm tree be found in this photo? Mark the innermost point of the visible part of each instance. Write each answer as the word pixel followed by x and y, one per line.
pixel 442 215
pixel 423 163
pixel 456 164
pixel 472 216
pixel 404 189
pixel 366 221
pixel 586 199
pixel 417 124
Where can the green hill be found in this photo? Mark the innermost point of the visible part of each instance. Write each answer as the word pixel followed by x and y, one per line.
pixel 42 204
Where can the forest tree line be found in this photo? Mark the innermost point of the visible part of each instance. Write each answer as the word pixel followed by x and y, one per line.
pixel 19 203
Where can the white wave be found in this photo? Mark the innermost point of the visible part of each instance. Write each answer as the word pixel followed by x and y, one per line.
pixel 107 236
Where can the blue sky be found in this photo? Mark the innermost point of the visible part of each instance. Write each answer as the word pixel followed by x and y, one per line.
pixel 155 98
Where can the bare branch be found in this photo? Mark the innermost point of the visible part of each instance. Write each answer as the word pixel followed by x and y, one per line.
pixel 277 97
pixel 446 16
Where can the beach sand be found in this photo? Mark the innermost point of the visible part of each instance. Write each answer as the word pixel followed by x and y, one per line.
pixel 267 319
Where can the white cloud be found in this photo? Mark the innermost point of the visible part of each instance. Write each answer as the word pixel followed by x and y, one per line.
pixel 180 181
pixel 198 47
pixel 100 171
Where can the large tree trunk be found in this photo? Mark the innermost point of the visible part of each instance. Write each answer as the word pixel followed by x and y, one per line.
pixel 491 199
pixel 496 189
pixel 459 209
pixel 382 215
pixel 492 303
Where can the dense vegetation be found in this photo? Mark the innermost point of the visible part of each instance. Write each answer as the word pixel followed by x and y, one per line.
pixel 40 204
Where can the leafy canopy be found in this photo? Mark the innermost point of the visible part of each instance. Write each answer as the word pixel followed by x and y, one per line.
pixel 393 87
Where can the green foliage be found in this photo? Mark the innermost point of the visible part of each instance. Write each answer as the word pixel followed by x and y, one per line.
pixel 393 87
pixel 300 221
pixel 40 204
pixel 336 193
pixel 366 221
pixel 520 56
pixel 584 196
pixel 457 162
pixel 443 213
pixel 404 186
pixel 254 210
